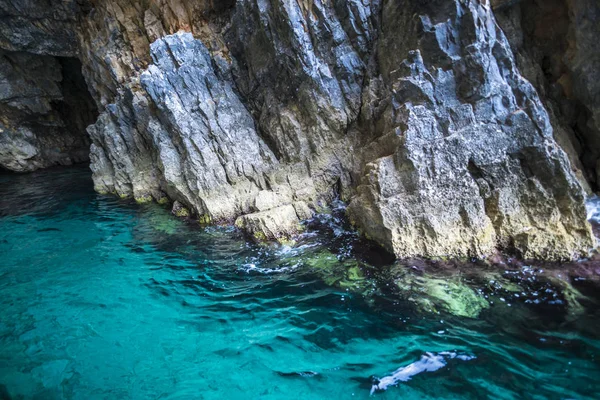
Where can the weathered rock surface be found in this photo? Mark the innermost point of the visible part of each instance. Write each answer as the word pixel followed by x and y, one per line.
pixel 300 69
pixel 557 49
pixel 182 119
pixel 275 224
pixel 40 27
pixel 416 113
pixel 468 161
pixel 42 113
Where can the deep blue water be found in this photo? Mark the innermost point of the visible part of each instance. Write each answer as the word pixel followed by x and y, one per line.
pixel 101 298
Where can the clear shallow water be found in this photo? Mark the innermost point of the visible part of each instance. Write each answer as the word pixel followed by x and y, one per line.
pixel 104 299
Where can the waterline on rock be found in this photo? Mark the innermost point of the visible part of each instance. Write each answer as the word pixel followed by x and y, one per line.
pixel 104 298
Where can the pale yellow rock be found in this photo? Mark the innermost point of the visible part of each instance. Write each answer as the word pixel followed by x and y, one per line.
pixel 274 224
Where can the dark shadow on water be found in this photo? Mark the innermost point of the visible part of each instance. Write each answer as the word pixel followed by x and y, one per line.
pixel 44 191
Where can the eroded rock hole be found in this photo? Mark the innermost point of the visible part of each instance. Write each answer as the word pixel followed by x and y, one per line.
pixel 45 108
pixel 77 107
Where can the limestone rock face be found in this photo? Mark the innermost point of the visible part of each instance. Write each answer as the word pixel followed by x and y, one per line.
pixel 469 161
pixel 299 65
pixel 263 111
pixel 557 48
pixel 182 120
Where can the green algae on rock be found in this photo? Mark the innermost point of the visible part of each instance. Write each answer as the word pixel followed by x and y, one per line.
pixel 144 199
pixel 432 294
pixel 180 210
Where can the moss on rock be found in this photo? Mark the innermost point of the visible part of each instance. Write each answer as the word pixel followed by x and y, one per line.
pixel 179 210
pixel 143 199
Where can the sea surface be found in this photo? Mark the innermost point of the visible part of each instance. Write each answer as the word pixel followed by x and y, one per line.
pixel 103 298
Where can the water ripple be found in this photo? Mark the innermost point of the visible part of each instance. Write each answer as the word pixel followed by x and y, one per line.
pixel 104 298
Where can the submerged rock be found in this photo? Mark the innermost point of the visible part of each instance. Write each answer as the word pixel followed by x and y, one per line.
pixel 4 394
pixel 161 220
pixel 344 274
pixel 499 290
pixel 431 294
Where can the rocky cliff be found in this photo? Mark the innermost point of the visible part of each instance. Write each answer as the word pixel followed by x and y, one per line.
pixel 417 114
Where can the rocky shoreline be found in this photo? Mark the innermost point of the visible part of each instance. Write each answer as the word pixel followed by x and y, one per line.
pixel 451 128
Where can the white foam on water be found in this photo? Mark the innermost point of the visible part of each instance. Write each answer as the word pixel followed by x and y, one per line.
pixel 429 362
pixel 267 271
pixel 293 251
pixel 592 206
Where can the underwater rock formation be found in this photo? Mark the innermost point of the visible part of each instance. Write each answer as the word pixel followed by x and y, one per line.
pixel 261 112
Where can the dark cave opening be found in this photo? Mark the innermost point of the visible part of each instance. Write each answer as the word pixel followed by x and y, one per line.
pixel 45 108
pixel 77 108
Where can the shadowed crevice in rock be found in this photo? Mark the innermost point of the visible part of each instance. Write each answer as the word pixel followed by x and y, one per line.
pixel 45 108
pixel 557 49
pixel 77 107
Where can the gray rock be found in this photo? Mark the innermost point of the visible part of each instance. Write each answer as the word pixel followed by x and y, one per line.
pixel 261 111
pixel 183 131
pixel 40 27
pixel 303 211
pixel 299 67
pixel 557 49
pixel 207 126
pixel 43 114
pixel 469 162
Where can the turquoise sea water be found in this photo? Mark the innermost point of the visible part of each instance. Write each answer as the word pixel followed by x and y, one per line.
pixel 101 298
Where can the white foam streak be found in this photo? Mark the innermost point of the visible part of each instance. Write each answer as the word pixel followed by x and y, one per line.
pixel 592 206
pixel 267 271
pixel 429 362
